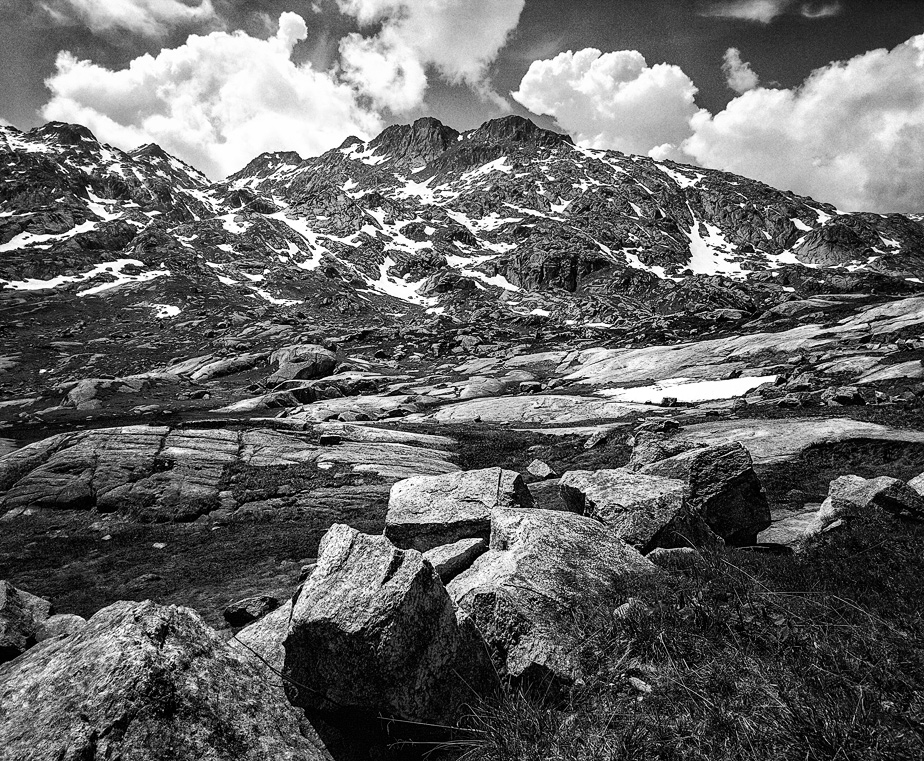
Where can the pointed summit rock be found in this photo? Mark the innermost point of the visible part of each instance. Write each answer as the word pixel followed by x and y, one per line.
pixel 417 143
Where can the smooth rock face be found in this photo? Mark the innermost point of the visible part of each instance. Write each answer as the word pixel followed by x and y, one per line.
pixel 723 486
pixel 144 682
pixel 851 496
pixel 21 618
pixel 541 565
pixel 451 559
pixel 374 631
pixel 644 511
pixel 429 511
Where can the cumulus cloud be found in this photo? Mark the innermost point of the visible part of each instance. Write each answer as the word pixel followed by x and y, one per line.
pixel 216 101
pixel 459 38
pixel 5 122
pixel 850 134
pixel 765 11
pixel 152 18
pixel 738 74
pixel 612 100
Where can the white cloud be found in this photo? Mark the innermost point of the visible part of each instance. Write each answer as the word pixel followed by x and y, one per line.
pixel 216 101
pixel 459 38
pixel 738 74
pixel 765 11
pixel 148 17
pixel 612 100
pixel 851 134
pixel 821 10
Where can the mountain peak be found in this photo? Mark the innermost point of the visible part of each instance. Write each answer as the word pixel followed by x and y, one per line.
pixel 518 129
pixel 421 141
pixel 63 133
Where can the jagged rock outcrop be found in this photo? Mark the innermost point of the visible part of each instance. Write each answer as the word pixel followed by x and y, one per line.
pixel 642 510
pixel 540 567
pixel 144 682
pixel 429 511
pixel 375 632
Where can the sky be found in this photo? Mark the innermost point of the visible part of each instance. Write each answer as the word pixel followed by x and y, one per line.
pixel 822 97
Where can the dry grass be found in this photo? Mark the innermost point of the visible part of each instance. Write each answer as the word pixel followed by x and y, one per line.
pixel 749 658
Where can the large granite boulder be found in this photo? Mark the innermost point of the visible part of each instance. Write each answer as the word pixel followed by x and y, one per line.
pixel 429 511
pixel 542 565
pixel 724 488
pixel 644 511
pixel 144 682
pixel 853 496
pixel 302 362
pixel 21 618
pixel 374 632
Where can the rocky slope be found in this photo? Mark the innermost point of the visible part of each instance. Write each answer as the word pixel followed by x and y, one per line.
pixel 439 391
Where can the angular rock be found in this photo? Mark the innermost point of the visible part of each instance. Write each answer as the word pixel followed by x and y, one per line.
pixel 724 488
pixel 21 618
pixel 374 631
pixel 541 469
pixel 853 496
pixel 144 682
pixel 644 511
pixel 428 511
pixel 247 611
pixel 652 446
pixel 451 559
pixel 263 640
pixel 540 567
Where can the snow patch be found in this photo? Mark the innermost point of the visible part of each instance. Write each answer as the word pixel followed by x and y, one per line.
pixel 687 390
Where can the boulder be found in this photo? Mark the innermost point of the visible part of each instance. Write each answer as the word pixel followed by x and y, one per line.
pixel 724 488
pixel 21 618
pixel 247 611
pixel 300 362
pixel 853 496
pixel 653 446
pixel 61 625
pixel 843 396
pixel 374 632
pixel 541 469
pixel 451 559
pixel 540 567
pixel 144 682
pixel 429 511
pixel 644 511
